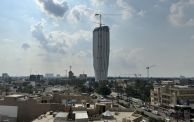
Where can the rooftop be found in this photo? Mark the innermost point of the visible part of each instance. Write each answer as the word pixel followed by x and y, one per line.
pixel 46 118
pixel 61 115
pixel 15 95
pixel 81 115
pixel 119 117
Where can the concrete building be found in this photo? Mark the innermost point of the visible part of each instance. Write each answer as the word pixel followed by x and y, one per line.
pixel 83 76
pixel 52 117
pixel 58 75
pixel 71 75
pixel 5 75
pixel 36 77
pixel 101 49
pixel 169 95
pixel 28 108
pixel 81 116
pixel 49 75
pixel 61 117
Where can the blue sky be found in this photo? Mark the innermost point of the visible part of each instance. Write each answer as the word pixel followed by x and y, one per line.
pixel 47 36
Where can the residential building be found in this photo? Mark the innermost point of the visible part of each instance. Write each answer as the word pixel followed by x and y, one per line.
pixel 169 95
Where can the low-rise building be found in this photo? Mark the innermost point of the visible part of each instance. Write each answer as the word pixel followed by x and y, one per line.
pixel 168 95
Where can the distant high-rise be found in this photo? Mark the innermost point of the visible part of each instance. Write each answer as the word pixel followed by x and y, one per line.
pixel 101 49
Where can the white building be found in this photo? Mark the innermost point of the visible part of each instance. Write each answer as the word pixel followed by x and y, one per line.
pixel 101 49
pixel 61 117
pixel 81 116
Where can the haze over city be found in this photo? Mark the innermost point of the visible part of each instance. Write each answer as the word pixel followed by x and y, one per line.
pixel 47 36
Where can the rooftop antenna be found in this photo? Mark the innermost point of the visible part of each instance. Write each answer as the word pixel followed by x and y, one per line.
pixel 100 15
pixel 70 67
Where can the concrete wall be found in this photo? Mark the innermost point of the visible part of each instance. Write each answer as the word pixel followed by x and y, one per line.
pixel 10 119
pixel 29 110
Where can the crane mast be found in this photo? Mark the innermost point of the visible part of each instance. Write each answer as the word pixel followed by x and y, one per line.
pixel 100 17
pixel 148 70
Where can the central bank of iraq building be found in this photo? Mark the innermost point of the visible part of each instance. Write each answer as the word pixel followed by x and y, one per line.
pixel 101 49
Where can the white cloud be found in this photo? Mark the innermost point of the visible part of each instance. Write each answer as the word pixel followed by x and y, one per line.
pixel 54 8
pixel 141 13
pixel 55 24
pixel 79 11
pixel 25 46
pixel 162 1
pixel 99 2
pixel 192 37
pixel 57 41
pixel 181 13
pixel 127 9
pixel 125 60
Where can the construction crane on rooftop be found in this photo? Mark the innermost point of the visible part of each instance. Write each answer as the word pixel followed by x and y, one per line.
pixel 100 17
pixel 148 70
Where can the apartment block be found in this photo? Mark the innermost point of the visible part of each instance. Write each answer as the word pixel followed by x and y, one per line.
pixel 168 94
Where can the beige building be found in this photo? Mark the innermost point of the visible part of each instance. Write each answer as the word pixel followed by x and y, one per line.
pixel 168 94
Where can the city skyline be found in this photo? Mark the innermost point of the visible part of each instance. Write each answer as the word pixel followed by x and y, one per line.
pixel 41 36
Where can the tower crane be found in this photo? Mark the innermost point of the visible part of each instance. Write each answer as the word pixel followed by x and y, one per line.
pixel 70 68
pixel 148 69
pixel 100 17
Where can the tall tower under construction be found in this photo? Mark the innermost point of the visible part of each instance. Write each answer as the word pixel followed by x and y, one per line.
pixel 101 49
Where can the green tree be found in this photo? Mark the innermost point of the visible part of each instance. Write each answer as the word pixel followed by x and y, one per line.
pixel 155 120
pixel 129 90
pixel 103 90
pixel 28 89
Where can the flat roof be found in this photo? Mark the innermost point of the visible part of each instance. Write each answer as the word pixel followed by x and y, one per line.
pixel 47 118
pixel 61 115
pixel 79 105
pixel 15 95
pixel 118 118
pixel 181 86
pixel 81 115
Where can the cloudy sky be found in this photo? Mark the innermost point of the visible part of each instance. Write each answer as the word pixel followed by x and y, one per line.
pixel 47 36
